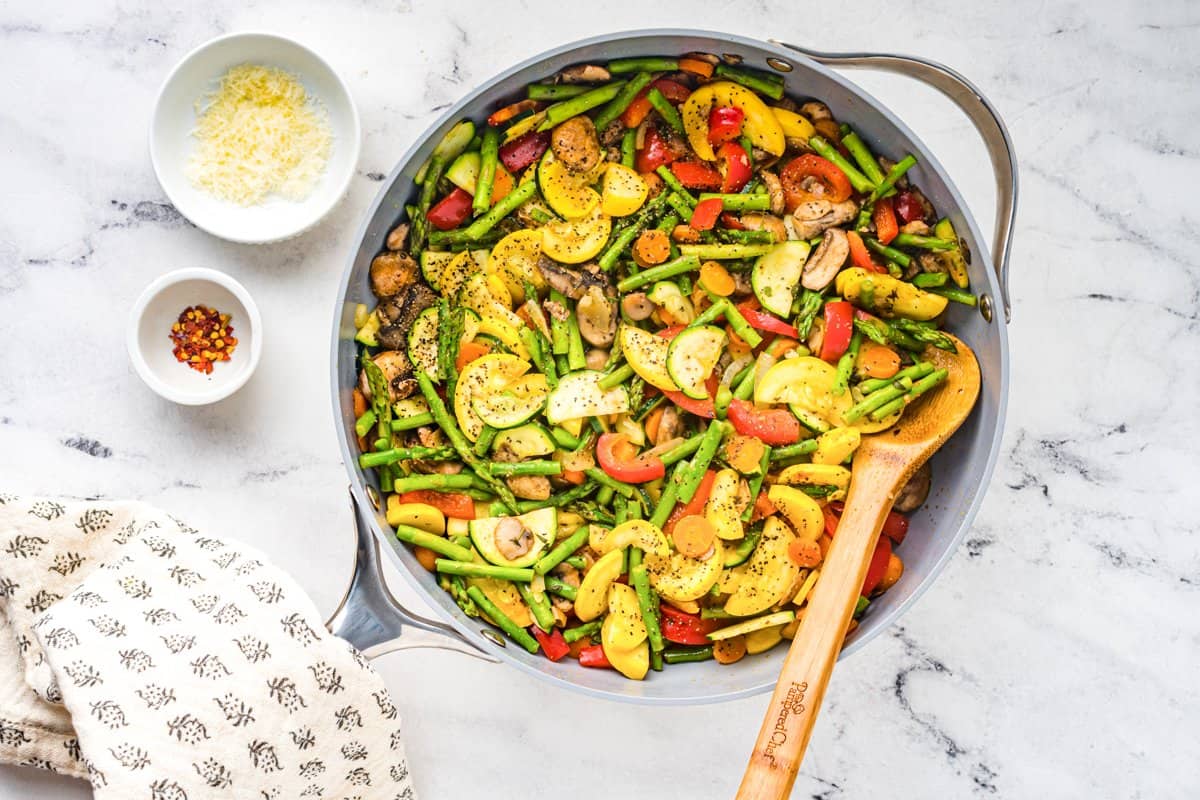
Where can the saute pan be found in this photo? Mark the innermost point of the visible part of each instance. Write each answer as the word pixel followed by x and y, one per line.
pixel 374 621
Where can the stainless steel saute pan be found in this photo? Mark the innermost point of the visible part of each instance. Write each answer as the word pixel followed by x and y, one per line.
pixel 373 620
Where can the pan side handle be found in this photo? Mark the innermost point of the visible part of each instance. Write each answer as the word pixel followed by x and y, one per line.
pixel 374 621
pixel 983 116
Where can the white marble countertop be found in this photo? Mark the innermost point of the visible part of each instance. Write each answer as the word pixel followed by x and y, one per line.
pixel 1055 657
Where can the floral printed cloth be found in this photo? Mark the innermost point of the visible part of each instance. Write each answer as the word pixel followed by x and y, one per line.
pixel 160 663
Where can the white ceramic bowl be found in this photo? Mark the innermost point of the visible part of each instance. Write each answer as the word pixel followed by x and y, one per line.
pixel 171 141
pixel 151 349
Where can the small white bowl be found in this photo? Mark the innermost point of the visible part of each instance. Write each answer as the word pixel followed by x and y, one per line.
pixel 151 348
pixel 171 141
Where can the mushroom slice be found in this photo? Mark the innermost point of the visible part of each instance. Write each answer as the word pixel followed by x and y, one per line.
pixel 391 272
pixel 398 372
pixel 816 111
pixel 813 216
pixel 530 487
pixel 571 283
pixel 400 311
pixel 575 144
pixel 512 538
pixel 637 306
pixel 914 493
pixel 765 222
pixel 584 73
pixel 597 317
pixel 774 190
pixel 397 237
pixel 826 261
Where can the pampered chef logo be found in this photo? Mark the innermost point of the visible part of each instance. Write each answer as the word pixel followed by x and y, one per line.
pixel 793 703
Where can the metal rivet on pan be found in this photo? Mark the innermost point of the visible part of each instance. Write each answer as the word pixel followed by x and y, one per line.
pixel 731 58
pixel 779 64
pixel 985 306
pixel 492 637
pixel 373 496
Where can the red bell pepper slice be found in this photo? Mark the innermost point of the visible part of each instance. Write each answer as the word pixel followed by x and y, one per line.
pixel 878 565
pixel 641 469
pixel 451 211
pixel 594 657
pixel 763 321
pixel 701 408
pixel 884 217
pixel 683 628
pixel 908 207
pixel 774 426
pixel 839 327
pixel 640 108
pixel 524 150
pixel 655 152
pixel 696 175
pixel 895 525
pixel 695 505
pixel 860 256
pixel 724 124
pixel 837 185
pixel 734 165
pixel 553 644
pixel 705 215
pixel 732 222
pixel 459 506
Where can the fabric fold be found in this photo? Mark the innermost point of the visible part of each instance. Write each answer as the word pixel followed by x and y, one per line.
pixel 159 662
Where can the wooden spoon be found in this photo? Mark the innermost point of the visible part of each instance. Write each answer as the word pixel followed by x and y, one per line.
pixel 883 464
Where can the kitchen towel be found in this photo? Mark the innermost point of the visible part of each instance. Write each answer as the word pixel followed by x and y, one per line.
pixel 161 663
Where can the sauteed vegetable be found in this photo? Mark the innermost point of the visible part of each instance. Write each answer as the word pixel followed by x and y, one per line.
pixel 628 339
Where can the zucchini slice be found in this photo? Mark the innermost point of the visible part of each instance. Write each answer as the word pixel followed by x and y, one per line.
pixel 542 524
pixel 423 344
pixel 579 396
pixel 777 274
pixel 527 441
pixel 692 356
pixel 433 264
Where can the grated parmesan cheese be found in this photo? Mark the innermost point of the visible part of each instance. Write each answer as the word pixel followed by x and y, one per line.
pixel 258 134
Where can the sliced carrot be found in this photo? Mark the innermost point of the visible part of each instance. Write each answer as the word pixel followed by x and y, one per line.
pixel 652 247
pixel 781 345
pixel 763 507
pixel 693 536
pixel 360 403
pixel 652 421
pixel 804 553
pixel 744 453
pixel 502 184
pixel 685 233
pixel 729 651
pixel 696 66
pixel 891 573
pixel 737 345
pixel 426 557
pixel 717 279
pixel 469 351
pixel 579 644
pixel 362 444
pixel 824 543
pixel 877 361
pixel 508 112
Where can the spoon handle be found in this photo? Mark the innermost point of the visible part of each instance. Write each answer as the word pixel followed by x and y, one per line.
pixel 790 717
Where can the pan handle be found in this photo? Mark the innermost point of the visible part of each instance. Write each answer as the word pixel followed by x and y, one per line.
pixel 374 621
pixel 983 116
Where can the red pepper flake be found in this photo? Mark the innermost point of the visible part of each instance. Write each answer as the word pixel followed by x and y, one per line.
pixel 202 336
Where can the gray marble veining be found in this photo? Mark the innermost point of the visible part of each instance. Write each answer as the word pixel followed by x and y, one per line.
pixel 1055 657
